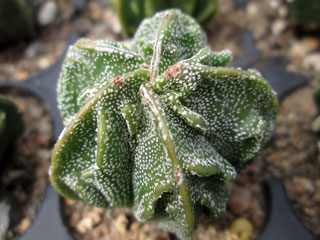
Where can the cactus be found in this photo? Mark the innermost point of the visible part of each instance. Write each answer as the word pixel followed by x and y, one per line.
pixel 316 122
pixel 158 128
pixel 316 98
pixel 305 13
pixel 132 12
pixel 16 20
pixel 11 123
pixel 2 122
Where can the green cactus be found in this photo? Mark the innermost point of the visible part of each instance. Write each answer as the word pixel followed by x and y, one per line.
pixel 132 12
pixel 11 123
pixel 160 127
pixel 316 98
pixel 315 126
pixel 2 121
pixel 16 20
pixel 305 13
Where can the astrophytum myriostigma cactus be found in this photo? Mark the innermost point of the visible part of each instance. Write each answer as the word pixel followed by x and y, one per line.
pixel 160 127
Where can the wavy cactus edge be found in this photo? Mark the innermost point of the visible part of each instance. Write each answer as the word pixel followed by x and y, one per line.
pixel 158 128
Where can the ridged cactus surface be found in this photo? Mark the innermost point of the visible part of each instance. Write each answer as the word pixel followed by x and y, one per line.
pixel 132 12
pixel 160 127
pixel 11 123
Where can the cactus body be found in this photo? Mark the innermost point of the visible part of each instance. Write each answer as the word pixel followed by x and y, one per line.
pixel 132 12
pixel 16 20
pixel 11 123
pixel 158 128
pixel 305 13
pixel 316 98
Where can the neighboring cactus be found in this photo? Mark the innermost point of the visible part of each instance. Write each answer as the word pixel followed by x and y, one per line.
pixel 305 13
pixel 158 128
pixel 316 122
pixel 2 122
pixel 316 98
pixel 132 12
pixel 16 20
pixel 11 123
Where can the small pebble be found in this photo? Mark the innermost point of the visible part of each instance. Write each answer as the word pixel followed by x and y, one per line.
pixel 240 200
pixel 311 43
pixel 312 61
pixel 315 126
pixel 95 216
pixel 242 228
pixel 44 62
pixel 257 221
pixel 283 11
pixel 278 27
pixel 111 17
pixel 121 223
pixel 24 225
pixel 311 211
pixel 4 219
pixel 303 185
pixel 13 174
pixel 275 4
pixel 47 13
pixel 21 75
pixel 34 49
pixel 298 49
pixel 95 11
pixel 135 226
pixel 69 202
pixel 252 10
pixel 85 225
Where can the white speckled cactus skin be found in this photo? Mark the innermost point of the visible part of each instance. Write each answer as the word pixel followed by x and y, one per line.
pixel 158 128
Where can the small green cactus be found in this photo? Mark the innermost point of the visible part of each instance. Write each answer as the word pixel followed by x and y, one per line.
pixel 16 20
pixel 316 98
pixel 305 13
pixel 132 12
pixel 158 128
pixel 11 123
pixel 2 121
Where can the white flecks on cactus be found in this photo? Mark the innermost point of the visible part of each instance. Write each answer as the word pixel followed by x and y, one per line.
pixel 158 128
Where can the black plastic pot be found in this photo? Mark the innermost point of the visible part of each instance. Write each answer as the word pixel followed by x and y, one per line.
pixel 48 224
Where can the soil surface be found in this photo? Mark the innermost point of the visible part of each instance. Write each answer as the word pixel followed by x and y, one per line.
pixel 292 154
